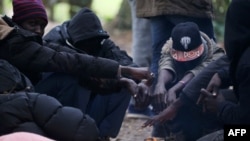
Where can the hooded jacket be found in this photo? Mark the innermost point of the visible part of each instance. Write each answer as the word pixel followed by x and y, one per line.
pixel 83 27
pixel 21 110
pixel 25 50
pixel 237 45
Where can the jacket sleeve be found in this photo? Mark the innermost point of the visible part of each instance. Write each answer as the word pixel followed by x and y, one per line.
pixel 27 55
pixel 166 61
pixel 238 113
pixel 62 123
pixel 191 92
pixel 113 52
pixel 216 53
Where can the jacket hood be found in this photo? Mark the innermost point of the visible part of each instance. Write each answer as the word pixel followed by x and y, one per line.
pixel 85 25
pixel 5 29
pixel 11 79
pixel 237 29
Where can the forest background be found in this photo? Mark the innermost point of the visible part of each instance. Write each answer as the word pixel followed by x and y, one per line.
pixel 114 14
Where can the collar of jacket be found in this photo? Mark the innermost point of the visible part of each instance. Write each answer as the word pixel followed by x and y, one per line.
pixel 5 28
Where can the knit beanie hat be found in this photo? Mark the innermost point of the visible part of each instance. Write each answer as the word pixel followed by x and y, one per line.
pixel 186 42
pixel 28 9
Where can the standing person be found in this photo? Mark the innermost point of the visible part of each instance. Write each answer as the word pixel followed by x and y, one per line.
pixel 141 53
pixel 22 45
pixel 141 38
pixel 164 15
pixel 84 34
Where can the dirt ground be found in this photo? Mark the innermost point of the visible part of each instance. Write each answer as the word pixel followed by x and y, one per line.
pixel 131 130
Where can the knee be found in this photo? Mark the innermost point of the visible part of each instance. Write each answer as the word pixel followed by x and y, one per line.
pixel 90 132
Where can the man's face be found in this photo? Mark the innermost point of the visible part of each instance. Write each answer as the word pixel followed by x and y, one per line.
pixel 90 46
pixel 35 25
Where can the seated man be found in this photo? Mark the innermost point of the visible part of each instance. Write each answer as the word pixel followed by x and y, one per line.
pixel 84 34
pixel 184 55
pixel 23 110
pixel 22 45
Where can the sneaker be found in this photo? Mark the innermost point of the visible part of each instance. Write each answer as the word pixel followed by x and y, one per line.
pixel 134 113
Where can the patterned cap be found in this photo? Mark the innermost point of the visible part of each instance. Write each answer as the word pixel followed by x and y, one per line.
pixel 187 42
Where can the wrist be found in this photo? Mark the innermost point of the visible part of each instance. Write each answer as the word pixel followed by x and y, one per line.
pixel 124 71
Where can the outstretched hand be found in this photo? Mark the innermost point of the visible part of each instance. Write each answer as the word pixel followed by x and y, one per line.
pixel 136 74
pixel 168 114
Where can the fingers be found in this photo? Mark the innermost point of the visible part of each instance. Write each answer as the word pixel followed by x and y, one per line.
pixel 150 79
pixel 149 123
pixel 158 103
pixel 204 93
pixel 146 124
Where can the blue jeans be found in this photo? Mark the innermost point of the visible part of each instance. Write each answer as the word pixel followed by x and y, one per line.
pixel 161 28
pixel 141 36
pixel 107 110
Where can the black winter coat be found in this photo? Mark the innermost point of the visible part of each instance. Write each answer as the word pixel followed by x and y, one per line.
pixel 44 115
pixel 23 110
pixel 25 50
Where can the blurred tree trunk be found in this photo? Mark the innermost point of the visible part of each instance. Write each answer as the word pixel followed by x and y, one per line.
pixel 220 9
pixel 75 6
pixel 123 18
pixel 1 7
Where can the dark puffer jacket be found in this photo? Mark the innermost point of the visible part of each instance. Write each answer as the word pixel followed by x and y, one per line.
pixel 38 113
pixel 25 50
pixel 44 115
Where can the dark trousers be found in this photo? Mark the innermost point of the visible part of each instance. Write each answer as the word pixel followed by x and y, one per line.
pixel 107 110
pixel 190 118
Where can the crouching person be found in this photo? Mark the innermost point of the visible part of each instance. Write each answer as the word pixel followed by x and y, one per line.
pixel 21 109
